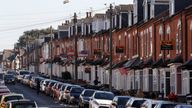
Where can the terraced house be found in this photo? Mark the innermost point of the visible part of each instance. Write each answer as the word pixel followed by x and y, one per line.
pixel 152 47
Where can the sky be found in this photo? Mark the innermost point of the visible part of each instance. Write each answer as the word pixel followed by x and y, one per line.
pixel 17 16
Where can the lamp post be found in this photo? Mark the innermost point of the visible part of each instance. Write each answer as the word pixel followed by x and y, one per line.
pixel 111 43
pixel 75 22
pixel 51 52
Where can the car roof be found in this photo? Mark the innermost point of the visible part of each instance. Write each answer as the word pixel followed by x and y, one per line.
pixel 103 92
pixel 136 98
pixel 13 94
pixel 122 97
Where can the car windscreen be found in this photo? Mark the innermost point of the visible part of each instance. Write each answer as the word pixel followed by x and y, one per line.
pixel 122 101
pixel 107 96
pixel 137 103
pixel 23 72
pixel 9 98
pixel 24 105
pixel 88 93
pixel 9 76
pixel 77 90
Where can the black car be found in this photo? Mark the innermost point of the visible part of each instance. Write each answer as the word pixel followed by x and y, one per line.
pixel 74 94
pixel 119 101
pixel 9 78
pixel 85 97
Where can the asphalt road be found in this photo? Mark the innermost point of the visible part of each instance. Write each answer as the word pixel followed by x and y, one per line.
pixel 42 100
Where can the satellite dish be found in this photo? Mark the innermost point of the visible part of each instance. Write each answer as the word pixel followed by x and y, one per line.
pixel 65 1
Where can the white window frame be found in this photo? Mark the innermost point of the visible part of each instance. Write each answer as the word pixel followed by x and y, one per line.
pixel 171 7
pixel 161 36
pixel 151 40
pixel 130 19
pixel 135 9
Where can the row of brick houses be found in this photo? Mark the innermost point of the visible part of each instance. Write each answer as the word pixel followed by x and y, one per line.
pixel 140 59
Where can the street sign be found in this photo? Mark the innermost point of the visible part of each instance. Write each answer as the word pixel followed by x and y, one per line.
pixel 167 45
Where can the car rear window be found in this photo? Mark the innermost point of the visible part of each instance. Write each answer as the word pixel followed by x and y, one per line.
pixel 107 96
pixel 77 90
pixel 8 98
pixel 137 103
pixel 122 101
pixel 23 72
pixel 88 93
pixel 24 105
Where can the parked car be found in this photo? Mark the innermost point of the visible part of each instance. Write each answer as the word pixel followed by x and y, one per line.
pixel 21 104
pixel 119 101
pixel 183 106
pixel 101 99
pixel 56 89
pixel 165 104
pixel 150 103
pixel 8 97
pixel 12 72
pixel 84 98
pixel 43 84
pixel 74 94
pixel 49 87
pixel 9 78
pixel 21 73
pixel 26 79
pixel 33 82
pixel 60 92
pixel 65 96
pixel 4 92
pixel 135 102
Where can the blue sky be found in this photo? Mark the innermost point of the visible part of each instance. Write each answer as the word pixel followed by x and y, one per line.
pixel 17 16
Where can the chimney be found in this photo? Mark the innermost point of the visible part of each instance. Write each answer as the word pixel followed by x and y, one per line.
pixel 66 22
pixel 87 14
pixel 90 14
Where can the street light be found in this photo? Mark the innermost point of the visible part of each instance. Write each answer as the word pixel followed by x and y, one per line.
pixel 51 30
pixel 75 23
pixel 111 46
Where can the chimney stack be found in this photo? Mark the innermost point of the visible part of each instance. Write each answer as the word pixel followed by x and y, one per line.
pixel 87 14
pixel 90 14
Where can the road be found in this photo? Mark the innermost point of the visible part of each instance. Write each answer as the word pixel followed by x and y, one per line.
pixel 41 99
